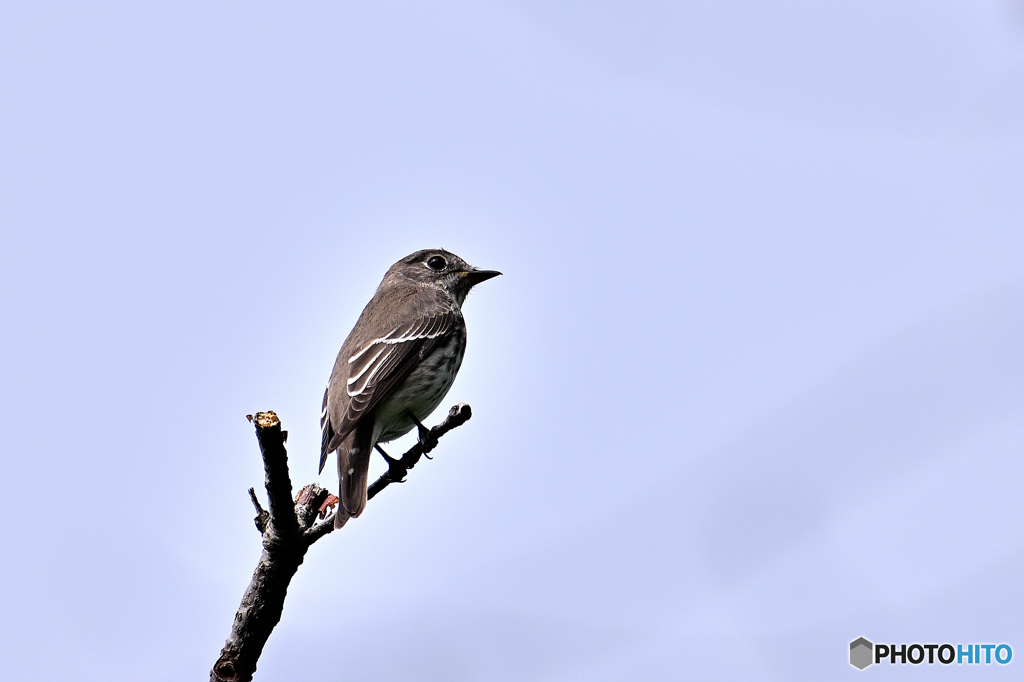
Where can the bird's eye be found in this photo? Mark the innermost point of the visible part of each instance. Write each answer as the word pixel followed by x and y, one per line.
pixel 436 263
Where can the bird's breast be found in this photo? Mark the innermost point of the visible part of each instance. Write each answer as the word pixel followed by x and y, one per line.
pixel 423 390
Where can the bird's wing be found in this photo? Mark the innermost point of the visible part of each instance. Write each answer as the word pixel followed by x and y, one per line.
pixel 377 369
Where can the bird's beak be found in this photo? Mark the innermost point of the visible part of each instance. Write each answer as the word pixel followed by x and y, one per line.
pixel 474 277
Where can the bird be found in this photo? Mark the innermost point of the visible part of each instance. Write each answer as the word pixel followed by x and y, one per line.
pixel 395 366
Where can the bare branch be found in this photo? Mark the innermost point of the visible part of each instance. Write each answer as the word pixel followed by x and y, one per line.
pixel 262 515
pixel 320 529
pixel 283 521
pixel 288 529
pixel 308 503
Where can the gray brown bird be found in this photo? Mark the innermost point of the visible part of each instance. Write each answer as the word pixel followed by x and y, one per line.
pixel 396 365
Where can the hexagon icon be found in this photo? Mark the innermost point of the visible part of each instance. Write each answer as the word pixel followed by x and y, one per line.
pixel 861 653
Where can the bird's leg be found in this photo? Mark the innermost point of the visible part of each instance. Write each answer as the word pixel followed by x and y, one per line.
pixel 428 439
pixel 387 458
pixel 396 472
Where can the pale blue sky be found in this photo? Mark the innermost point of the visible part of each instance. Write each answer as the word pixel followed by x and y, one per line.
pixel 752 385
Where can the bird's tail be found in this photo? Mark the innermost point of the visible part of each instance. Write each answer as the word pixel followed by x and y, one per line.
pixel 353 469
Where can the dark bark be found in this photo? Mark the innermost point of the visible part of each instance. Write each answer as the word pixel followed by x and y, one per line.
pixel 288 529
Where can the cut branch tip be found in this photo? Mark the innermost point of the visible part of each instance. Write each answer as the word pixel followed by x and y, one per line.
pixel 266 420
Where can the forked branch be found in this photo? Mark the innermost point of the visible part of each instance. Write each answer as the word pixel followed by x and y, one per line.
pixel 288 528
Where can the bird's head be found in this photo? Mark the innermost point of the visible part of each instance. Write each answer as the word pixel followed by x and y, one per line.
pixel 442 269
